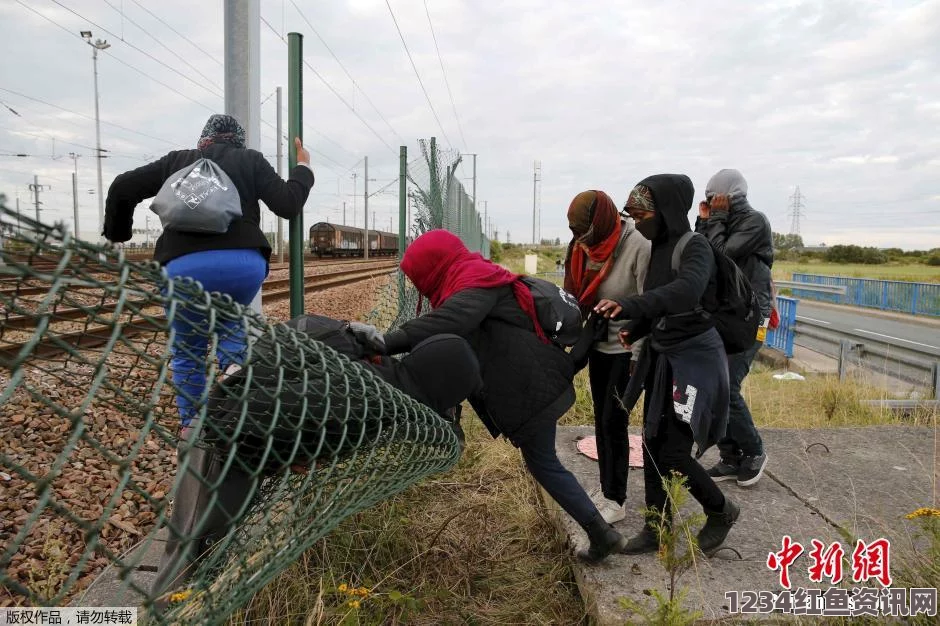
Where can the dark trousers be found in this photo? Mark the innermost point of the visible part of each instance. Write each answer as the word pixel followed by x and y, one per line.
pixel 441 371
pixel 609 375
pixel 741 438
pixel 671 450
pixel 542 462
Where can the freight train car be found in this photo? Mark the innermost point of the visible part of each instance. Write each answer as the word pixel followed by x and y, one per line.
pixel 334 240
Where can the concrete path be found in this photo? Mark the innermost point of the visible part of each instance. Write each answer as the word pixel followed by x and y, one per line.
pixel 110 590
pixel 860 482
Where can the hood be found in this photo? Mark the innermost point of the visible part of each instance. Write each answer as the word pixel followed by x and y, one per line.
pixel 672 196
pixel 727 182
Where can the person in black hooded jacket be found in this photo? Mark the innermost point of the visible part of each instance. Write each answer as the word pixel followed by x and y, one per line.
pixel 683 366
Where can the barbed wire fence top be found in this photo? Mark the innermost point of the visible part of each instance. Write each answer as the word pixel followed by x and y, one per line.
pixel 90 429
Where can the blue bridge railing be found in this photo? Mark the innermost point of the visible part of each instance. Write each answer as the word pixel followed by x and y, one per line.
pixel 781 338
pixel 889 295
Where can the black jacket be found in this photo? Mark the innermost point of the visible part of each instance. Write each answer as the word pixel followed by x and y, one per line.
pixel 525 382
pixel 671 306
pixel 745 236
pixel 251 174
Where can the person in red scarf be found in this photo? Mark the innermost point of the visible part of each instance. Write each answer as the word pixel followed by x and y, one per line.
pixel 527 380
pixel 607 258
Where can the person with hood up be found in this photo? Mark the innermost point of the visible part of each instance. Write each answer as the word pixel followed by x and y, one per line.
pixel 607 258
pixel 743 234
pixel 683 367
pixel 527 380
pixel 234 262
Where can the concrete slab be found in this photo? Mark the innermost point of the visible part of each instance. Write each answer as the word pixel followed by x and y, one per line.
pixel 795 498
pixel 110 590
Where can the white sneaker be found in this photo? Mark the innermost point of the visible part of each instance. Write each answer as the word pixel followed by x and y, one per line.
pixel 611 511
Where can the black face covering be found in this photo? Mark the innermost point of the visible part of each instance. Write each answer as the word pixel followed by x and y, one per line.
pixel 649 227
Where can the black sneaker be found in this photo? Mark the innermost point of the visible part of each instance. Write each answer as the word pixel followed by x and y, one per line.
pixel 724 470
pixel 644 541
pixel 752 467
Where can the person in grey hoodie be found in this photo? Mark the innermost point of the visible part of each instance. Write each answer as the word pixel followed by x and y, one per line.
pixel 607 258
pixel 743 234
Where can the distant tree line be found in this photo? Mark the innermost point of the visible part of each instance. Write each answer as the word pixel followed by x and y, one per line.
pixel 791 248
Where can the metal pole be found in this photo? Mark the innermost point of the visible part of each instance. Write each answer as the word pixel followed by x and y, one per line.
pixel 473 207
pixel 437 203
pixel 535 178
pixel 75 202
pixel 98 155
pixel 365 203
pixel 295 129
pixel 242 50
pixel 36 189
pixel 402 198
pixel 280 173
pixel 344 213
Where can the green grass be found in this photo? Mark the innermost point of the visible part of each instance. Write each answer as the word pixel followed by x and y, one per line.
pixel 513 258
pixel 914 272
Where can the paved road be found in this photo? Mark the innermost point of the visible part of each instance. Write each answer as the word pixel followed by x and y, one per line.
pixel 913 334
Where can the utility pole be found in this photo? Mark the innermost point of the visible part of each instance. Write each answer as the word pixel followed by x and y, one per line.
pixel 486 220
pixel 280 174
pixel 35 187
pixel 19 227
pixel 365 204
pixel 75 192
pixel 354 175
pixel 796 211
pixel 507 236
pixel 95 47
pixel 537 168
pixel 344 212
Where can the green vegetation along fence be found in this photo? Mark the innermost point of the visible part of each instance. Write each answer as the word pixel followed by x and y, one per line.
pixel 440 199
pixel 88 465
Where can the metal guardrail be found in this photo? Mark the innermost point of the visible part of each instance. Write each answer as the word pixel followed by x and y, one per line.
pixel 835 290
pixel 890 295
pixel 782 337
pixel 910 363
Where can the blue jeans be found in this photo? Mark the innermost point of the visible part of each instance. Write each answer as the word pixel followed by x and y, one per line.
pixel 238 273
pixel 742 438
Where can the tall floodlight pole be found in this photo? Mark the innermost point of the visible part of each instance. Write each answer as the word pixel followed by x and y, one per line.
pixel 97 45
pixel 365 204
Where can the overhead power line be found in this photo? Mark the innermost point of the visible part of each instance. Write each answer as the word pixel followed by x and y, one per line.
pixel 141 51
pixel 348 75
pixel 191 42
pixel 446 82
pixel 115 57
pixel 417 74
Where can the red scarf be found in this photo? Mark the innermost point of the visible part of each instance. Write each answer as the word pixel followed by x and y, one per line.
pixel 586 270
pixel 440 265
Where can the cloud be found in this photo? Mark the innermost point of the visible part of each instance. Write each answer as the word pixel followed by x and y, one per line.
pixel 836 96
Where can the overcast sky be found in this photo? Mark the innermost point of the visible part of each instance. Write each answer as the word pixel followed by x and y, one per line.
pixel 839 97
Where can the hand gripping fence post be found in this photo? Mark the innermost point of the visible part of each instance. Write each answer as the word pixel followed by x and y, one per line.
pixel 94 473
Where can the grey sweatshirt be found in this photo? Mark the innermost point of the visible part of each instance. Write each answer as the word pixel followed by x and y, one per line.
pixel 626 277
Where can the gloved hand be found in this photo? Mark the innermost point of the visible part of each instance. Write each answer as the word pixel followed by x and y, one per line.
pixel 369 336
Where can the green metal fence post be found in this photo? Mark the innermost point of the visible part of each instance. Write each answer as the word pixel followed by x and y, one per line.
pixel 437 205
pixel 402 199
pixel 295 129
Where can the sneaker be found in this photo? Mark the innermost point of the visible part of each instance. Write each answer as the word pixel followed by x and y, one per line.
pixel 724 470
pixel 716 528
pixel 752 467
pixel 611 511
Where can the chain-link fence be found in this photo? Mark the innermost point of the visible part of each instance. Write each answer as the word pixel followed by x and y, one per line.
pixel 94 472
pixel 440 199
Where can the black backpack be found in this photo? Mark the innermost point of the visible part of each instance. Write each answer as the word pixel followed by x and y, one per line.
pixel 557 310
pixel 334 333
pixel 737 315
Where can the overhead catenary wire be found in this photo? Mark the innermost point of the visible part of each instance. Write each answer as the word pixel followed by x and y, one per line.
pixel 444 72
pixel 138 49
pixel 116 58
pixel 181 35
pixel 164 46
pixel 348 75
pixel 334 92
pixel 417 74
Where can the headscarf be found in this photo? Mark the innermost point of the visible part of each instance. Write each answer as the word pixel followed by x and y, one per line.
pixel 595 215
pixel 221 129
pixel 440 265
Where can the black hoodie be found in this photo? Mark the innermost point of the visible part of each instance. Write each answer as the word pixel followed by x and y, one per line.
pixel 672 304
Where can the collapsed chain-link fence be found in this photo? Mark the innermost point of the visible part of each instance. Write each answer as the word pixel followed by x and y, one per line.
pixel 441 200
pixel 281 448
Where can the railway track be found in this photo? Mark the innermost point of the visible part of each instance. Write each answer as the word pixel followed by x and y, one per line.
pixel 57 342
